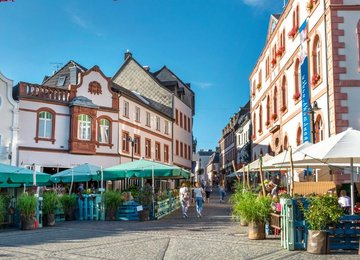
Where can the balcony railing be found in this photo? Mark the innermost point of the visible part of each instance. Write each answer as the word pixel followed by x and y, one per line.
pixel 43 92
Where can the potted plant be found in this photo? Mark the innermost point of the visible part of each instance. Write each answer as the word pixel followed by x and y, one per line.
pixel 145 199
pixel 112 201
pixel 236 200
pixel 2 209
pixel 321 212
pixel 256 211
pixel 50 202
pixel 27 206
pixel 68 203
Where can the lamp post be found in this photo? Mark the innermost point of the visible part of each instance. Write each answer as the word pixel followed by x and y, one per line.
pixel 132 141
pixel 311 111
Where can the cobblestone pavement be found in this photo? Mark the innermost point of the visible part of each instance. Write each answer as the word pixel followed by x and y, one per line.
pixel 214 236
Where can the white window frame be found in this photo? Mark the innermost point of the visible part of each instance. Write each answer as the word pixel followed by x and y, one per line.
pixel 137 114
pixel 126 109
pixel 104 131
pixel 45 125
pixel 158 123
pixel 84 127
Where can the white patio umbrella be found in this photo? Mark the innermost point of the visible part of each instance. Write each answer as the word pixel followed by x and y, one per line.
pixel 338 149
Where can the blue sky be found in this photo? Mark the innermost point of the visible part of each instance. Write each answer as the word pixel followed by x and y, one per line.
pixel 213 44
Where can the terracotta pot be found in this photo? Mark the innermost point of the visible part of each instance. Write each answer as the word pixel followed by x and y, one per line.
pixel 110 214
pixel 243 223
pixel 317 242
pixel 69 215
pixel 144 215
pixel 256 231
pixel 27 223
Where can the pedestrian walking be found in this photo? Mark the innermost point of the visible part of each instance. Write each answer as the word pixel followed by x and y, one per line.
pixel 184 195
pixel 199 193
pixel 222 192
pixel 208 190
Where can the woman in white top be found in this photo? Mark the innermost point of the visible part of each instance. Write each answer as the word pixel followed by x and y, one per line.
pixel 184 195
pixel 199 192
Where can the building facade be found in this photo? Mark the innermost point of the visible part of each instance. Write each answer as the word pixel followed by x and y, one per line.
pixel 9 122
pixel 306 83
pixel 243 138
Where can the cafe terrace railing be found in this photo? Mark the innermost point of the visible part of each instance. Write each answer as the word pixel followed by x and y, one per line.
pixel 344 235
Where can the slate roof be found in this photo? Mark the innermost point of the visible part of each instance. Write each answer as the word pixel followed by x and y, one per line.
pixel 51 81
pixel 147 102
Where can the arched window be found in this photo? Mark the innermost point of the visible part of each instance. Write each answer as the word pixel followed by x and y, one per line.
pixel 260 119
pixel 104 131
pixel 254 88
pixel 286 143
pixel 45 124
pixel 254 124
pixel 298 136
pixel 319 129
pixel 283 94
pixel 84 127
pixel 297 80
pixel 268 110
pixel 316 61
pixel 275 103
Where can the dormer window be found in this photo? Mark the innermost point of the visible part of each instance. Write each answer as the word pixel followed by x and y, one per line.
pixel 61 81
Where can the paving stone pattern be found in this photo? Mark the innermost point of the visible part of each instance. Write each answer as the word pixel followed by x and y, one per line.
pixel 214 236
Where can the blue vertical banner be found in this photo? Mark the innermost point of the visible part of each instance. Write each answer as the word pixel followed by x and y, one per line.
pixel 304 70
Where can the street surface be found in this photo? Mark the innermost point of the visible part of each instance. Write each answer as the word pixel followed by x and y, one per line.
pixel 214 236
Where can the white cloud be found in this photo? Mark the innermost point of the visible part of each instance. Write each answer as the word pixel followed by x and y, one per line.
pixel 79 21
pixel 254 2
pixel 84 23
pixel 203 85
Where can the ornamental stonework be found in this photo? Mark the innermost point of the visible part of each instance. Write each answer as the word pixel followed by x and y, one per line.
pixel 95 88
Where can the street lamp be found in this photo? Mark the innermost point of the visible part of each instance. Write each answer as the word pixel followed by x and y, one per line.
pixel 132 141
pixel 311 111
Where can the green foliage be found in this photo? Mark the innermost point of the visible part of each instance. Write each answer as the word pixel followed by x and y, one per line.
pixel 112 200
pixel 145 196
pixel 50 202
pixel 322 211
pixel 27 205
pixel 68 202
pixel 2 208
pixel 249 207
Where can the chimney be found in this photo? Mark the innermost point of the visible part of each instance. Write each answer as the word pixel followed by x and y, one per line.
pixel 127 55
pixel 73 75
pixel 147 68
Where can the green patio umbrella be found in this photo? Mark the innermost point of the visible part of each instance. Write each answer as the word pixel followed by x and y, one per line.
pixel 144 169
pixel 82 173
pixel 16 175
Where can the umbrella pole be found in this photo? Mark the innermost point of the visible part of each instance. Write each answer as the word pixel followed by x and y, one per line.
pixel 34 175
pixel 261 178
pixel 72 180
pixel 244 177
pixel 352 184
pixel 292 172
pixel 153 190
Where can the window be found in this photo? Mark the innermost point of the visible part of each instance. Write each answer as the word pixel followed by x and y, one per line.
pixel 181 119
pixel 166 153
pixel 177 147
pixel 189 152
pixel 167 127
pixel 268 111
pixel 275 102
pixel 125 142
pixel 148 119
pixel 137 114
pixel 319 129
pixel 189 127
pixel 185 151
pixel 158 123
pixel 45 125
pixel 157 151
pixel 297 79
pixel 316 55
pixel 254 89
pixel 176 116
pixel 283 94
pixel 104 131
pixel 137 145
pixel 267 67
pixel 185 121
pixel 286 143
pixel 260 119
pixel 84 127
pixel 147 148
pixel 181 149
pixel 254 125
pixel 61 80
pixel 126 109
pixel 298 136
pixel 260 78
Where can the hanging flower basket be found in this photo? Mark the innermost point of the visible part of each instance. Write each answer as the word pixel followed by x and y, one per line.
pixel 280 51
pixel 292 32
pixel 315 79
pixel 258 85
pixel 274 116
pixel 273 62
pixel 267 123
pixel 283 109
pixel 296 96
pixel 310 5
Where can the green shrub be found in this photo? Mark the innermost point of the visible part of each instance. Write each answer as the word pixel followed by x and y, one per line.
pixel 68 202
pixel 3 207
pixel 112 200
pixel 50 202
pixel 27 205
pixel 322 211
